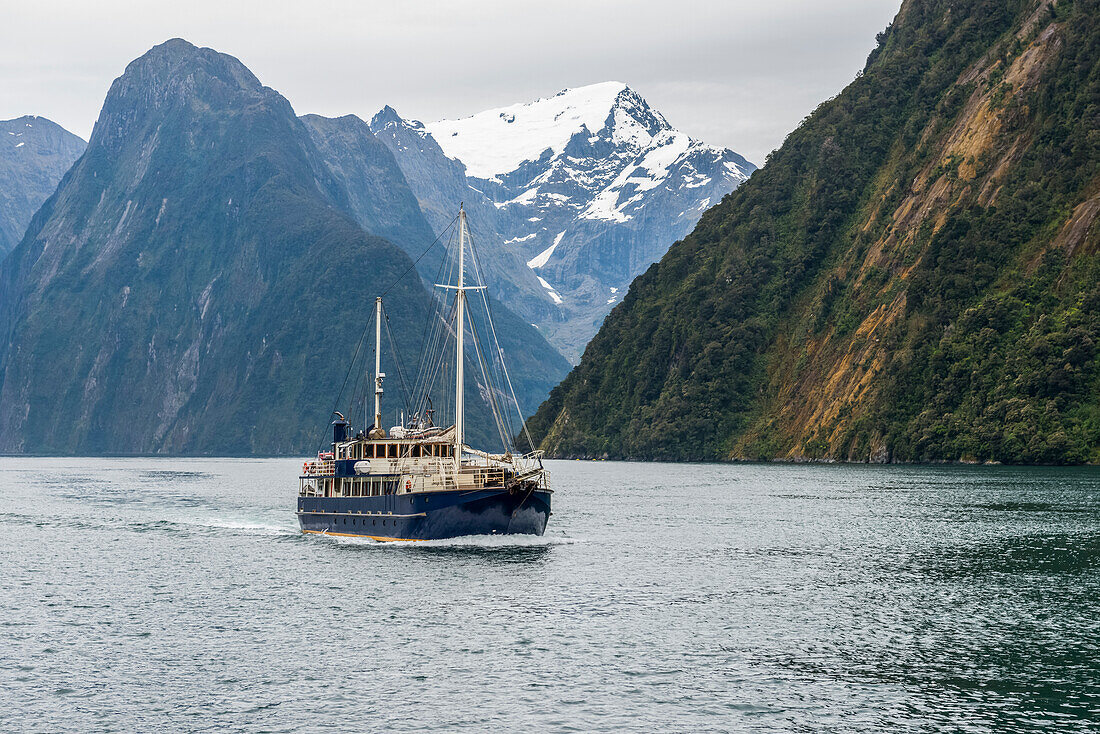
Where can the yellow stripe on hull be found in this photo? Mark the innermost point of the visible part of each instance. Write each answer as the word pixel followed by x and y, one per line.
pixel 381 538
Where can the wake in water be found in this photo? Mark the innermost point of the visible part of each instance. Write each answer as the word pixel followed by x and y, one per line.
pixel 244 526
pixel 466 541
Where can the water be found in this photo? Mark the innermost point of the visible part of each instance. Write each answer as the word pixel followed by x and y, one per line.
pixel 153 594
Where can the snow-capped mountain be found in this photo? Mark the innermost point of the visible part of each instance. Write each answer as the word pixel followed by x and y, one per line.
pixel 586 189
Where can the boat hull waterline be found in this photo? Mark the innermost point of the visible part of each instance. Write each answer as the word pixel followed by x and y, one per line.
pixel 427 515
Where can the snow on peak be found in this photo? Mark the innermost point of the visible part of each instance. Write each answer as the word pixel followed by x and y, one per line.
pixel 541 259
pixel 498 141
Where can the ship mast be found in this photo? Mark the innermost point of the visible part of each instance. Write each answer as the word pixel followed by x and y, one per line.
pixel 378 373
pixel 460 324
pixel 460 304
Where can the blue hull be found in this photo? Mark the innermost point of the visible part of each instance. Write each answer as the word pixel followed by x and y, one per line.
pixel 427 515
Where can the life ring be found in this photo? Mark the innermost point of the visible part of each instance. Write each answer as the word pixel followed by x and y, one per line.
pixel 408 484
pixel 305 467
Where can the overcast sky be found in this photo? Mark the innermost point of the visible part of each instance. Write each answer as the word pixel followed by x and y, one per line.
pixel 730 72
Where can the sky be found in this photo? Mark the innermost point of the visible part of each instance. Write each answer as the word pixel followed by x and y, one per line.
pixel 730 72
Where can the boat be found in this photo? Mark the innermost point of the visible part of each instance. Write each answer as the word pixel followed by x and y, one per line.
pixel 419 481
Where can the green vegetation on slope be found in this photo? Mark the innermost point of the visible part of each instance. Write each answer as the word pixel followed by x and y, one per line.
pixel 899 282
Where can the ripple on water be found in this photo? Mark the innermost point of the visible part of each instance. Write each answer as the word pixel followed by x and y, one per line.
pixel 664 598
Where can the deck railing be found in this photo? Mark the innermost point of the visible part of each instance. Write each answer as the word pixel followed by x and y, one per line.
pixel 319 468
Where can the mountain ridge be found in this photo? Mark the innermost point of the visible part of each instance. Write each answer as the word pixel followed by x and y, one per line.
pixel 916 281
pixel 188 288
pixel 586 188
pixel 34 155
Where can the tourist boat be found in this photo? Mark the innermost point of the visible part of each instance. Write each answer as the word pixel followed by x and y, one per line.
pixel 419 481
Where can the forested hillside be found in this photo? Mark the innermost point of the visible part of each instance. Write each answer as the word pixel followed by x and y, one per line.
pixel 913 276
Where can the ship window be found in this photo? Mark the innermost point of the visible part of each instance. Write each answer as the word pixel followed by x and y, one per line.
pixel 391 451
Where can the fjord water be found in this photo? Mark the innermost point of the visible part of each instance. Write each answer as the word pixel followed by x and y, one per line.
pixel 151 594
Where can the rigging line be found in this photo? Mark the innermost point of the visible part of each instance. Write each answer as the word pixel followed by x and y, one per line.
pixel 366 328
pixel 435 307
pixel 489 387
pixel 494 365
pixel 346 376
pixel 417 260
pixel 438 366
pixel 503 366
pixel 500 415
pixel 434 345
pixel 359 393
pixel 434 342
pixel 397 361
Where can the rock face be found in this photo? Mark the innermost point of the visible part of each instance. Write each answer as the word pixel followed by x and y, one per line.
pixel 440 185
pixel 198 282
pixel 587 188
pixel 381 200
pixel 379 197
pixel 34 154
pixel 912 277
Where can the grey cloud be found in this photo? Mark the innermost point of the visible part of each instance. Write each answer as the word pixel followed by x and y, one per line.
pixel 735 73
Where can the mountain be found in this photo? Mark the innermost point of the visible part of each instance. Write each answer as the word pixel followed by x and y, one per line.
pixel 34 154
pixel 382 202
pixel 913 276
pixel 378 195
pixel 198 282
pixel 588 188
pixel 440 185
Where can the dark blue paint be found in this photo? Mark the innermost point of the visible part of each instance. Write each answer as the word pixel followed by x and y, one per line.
pixel 429 515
